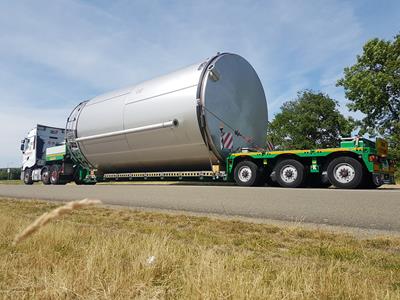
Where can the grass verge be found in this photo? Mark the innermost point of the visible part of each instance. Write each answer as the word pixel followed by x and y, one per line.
pixel 11 181
pixel 103 253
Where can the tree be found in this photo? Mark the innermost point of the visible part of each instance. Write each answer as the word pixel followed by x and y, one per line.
pixel 14 173
pixel 372 85
pixel 310 121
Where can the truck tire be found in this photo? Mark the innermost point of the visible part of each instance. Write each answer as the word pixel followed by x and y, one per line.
pixel 369 183
pixel 271 179
pixel 261 177
pixel 28 176
pixel 247 173
pixel 345 172
pixel 46 176
pixel 289 173
pixel 315 181
pixel 55 174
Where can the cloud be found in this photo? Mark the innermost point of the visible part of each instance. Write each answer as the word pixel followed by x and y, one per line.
pixel 16 122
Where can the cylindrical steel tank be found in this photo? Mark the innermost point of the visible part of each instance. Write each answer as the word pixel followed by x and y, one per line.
pixel 173 122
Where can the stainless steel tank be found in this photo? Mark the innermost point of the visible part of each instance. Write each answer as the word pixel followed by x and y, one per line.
pixel 172 122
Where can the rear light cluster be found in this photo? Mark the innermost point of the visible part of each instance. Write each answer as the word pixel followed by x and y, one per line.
pixel 374 158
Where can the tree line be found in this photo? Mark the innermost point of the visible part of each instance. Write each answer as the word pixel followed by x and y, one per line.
pixel 14 174
pixel 371 86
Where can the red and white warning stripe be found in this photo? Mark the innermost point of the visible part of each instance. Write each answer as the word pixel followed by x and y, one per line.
pixel 226 140
pixel 270 146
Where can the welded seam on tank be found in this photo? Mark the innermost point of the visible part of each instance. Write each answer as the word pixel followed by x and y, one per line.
pixel 107 99
pixel 159 95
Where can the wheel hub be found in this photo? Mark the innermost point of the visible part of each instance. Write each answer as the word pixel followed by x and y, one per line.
pixel 289 174
pixel 344 173
pixel 245 174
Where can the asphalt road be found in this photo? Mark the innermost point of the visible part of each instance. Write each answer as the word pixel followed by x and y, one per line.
pixel 368 209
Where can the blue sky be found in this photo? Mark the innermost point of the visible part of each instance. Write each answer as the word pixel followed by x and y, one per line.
pixel 54 54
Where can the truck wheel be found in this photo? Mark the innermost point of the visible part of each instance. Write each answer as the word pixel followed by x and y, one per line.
pixel 78 181
pixel 28 176
pixel 261 177
pixel 246 173
pixel 315 181
pixel 46 176
pixel 271 179
pixel 345 172
pixel 289 173
pixel 55 174
pixel 369 183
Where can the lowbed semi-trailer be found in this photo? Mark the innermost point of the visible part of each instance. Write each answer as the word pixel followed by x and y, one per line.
pixel 357 163
pixel 201 121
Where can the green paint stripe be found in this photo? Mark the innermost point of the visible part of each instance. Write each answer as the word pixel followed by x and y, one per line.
pixel 55 157
pixel 55 154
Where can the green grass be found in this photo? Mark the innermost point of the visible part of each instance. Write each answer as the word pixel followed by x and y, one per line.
pixel 102 253
pixel 11 182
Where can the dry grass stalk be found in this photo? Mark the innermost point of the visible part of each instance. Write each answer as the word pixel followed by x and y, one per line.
pixel 101 254
pixel 47 217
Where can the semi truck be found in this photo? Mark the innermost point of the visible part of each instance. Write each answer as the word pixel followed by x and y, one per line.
pixel 45 158
pixel 207 120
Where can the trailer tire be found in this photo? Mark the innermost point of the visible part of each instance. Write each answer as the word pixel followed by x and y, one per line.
pixel 316 181
pixel 55 174
pixel 78 181
pixel 247 173
pixel 28 176
pixel 345 172
pixel 261 177
pixel 271 179
pixel 46 176
pixel 289 173
pixel 369 183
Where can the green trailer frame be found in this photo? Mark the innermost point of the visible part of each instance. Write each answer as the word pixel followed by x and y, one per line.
pixel 372 155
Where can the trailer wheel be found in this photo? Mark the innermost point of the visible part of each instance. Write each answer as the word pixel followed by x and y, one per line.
pixel 345 172
pixel 55 174
pixel 271 179
pixel 46 176
pixel 316 181
pixel 246 173
pixel 78 181
pixel 289 173
pixel 369 182
pixel 261 177
pixel 28 176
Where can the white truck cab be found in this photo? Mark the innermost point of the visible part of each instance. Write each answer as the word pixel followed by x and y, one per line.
pixel 34 147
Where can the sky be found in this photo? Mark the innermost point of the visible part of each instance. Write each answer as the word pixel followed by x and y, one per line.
pixel 55 54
